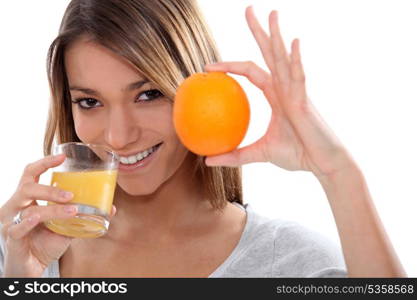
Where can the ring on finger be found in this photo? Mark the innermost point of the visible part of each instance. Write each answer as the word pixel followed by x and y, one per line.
pixel 17 218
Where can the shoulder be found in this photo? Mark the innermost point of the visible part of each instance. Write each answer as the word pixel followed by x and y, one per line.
pixel 302 252
pixel 282 248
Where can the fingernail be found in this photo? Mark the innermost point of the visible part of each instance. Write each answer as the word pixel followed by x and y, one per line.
pixel 66 195
pixel 70 209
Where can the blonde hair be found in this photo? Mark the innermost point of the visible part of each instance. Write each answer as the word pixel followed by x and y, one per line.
pixel 168 35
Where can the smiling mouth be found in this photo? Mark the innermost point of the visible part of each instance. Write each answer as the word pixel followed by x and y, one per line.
pixel 140 157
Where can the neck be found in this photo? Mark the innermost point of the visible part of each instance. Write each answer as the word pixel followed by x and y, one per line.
pixel 173 207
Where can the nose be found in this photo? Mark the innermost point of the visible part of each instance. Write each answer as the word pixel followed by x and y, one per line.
pixel 121 130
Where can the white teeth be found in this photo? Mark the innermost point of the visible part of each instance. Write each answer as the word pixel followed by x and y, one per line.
pixel 139 156
pixel 132 159
pixel 135 158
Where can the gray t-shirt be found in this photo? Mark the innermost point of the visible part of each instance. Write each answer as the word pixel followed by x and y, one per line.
pixel 267 248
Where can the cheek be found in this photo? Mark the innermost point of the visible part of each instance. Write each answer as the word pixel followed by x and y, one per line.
pixel 84 127
pixel 165 125
pixel 164 122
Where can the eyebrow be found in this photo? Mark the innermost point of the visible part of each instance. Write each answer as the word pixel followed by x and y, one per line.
pixel 130 87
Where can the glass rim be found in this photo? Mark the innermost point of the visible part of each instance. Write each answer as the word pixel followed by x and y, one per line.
pixel 105 148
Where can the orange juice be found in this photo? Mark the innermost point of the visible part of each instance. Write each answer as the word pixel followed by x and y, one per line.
pixel 94 190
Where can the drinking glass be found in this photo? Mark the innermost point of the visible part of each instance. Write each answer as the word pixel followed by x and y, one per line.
pixel 89 172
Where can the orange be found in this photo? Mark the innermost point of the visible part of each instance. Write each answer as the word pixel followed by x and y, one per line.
pixel 211 113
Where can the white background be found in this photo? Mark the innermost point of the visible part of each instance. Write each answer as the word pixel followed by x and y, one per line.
pixel 360 59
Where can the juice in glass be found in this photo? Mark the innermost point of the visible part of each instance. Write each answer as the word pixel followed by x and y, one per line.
pixel 90 188
pixel 92 180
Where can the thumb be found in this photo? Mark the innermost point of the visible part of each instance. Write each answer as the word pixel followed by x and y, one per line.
pixel 245 155
pixel 229 159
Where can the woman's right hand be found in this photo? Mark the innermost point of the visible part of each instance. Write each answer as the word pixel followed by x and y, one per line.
pixel 29 246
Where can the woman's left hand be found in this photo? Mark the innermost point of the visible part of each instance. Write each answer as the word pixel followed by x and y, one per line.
pixel 297 137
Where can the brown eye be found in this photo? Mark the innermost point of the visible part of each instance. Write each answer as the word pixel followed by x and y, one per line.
pixel 149 95
pixel 87 103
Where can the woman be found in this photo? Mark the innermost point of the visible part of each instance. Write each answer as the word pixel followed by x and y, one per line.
pixel 113 71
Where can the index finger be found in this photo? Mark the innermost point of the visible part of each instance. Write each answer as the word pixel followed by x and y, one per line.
pixel 281 59
pixel 34 170
pixel 260 36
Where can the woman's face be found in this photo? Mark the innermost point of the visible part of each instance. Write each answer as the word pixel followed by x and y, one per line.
pixel 114 106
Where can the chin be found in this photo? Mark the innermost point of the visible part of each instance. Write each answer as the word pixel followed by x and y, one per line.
pixel 138 189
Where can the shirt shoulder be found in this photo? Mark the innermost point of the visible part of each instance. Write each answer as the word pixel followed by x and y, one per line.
pixel 302 252
pixel 282 248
